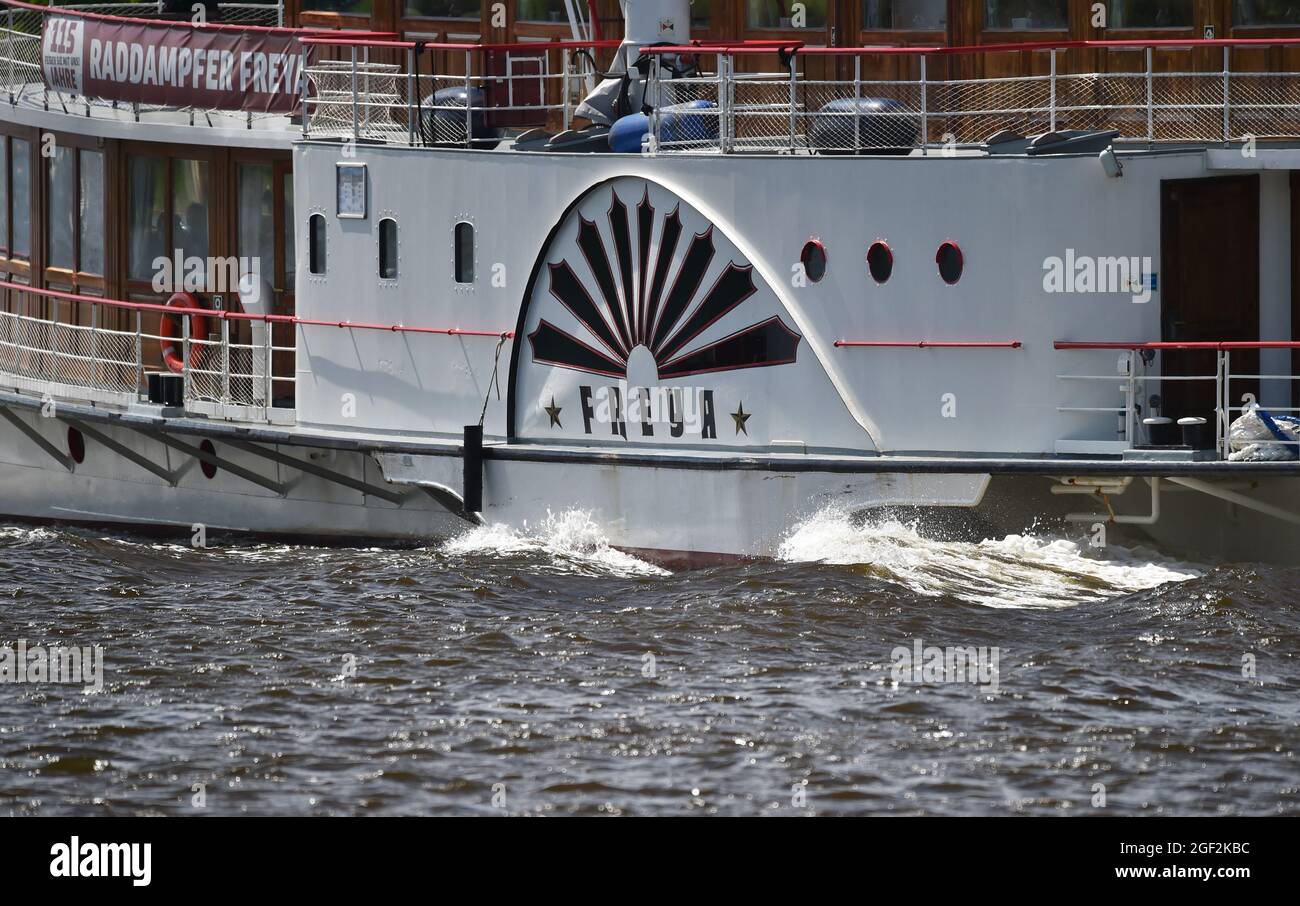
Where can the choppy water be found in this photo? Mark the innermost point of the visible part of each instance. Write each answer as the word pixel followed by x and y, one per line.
pixel 543 672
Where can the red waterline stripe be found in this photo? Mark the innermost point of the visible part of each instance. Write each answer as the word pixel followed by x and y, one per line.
pixel 928 344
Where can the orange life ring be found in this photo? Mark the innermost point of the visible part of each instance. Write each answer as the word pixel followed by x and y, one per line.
pixel 170 334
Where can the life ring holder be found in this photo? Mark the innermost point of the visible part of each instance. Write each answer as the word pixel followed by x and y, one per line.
pixel 171 337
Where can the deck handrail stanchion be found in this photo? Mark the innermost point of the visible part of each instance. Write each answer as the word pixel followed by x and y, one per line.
pixel 225 360
pixel 565 63
pixel 94 345
pixel 268 370
pixel 356 125
pixel 1226 96
pixel 410 96
pixel 469 99
pixel 9 43
pixel 1151 120
pixel 925 110
pixel 857 97
pixel 1051 82
pixel 727 96
pixel 302 74
pixel 794 94
pixel 139 351
pixel 365 92
pixel 185 358
pixel 1130 397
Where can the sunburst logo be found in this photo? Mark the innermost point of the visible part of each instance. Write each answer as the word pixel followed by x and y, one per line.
pixel 639 295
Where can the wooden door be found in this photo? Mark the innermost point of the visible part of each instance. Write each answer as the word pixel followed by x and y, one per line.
pixel 1209 284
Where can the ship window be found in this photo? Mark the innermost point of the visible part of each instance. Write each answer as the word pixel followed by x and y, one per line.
pixel 61 212
pixel 256 220
pixel 1149 14
pixel 190 207
pixel 4 195
pixel 813 258
pixel 1026 15
pixel 464 252
pixel 290 252
pixel 905 15
pixel 20 215
pixel 778 14
pixel 444 9
pixel 388 248
pixel 347 7
pixel 316 244
pixel 950 262
pixel 91 210
pixel 1264 12
pixel 700 13
pixel 541 11
pixel 147 204
pixel 880 260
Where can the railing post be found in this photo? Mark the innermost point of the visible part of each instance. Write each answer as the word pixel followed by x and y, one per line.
pixel 1226 371
pixel 1130 397
pixel 410 96
pixel 225 360
pixel 268 370
pixel 9 43
pixel 1151 120
pixel 356 123
pixel 366 94
pixel 469 100
pixel 727 100
pixel 1051 81
pixel 794 94
pixel 186 382
pixel 302 74
pixel 564 86
pixel 139 352
pixel 857 97
pixel 1226 95
pixel 925 111
pixel 94 344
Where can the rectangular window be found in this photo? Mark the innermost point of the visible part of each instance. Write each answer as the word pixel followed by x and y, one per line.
pixel 4 194
pixel 290 253
pixel 1151 14
pixel 905 15
pixel 444 9
pixel 700 13
pixel 21 211
pixel 190 194
pixel 147 203
pixel 1266 12
pixel 1026 15
pixel 91 219
pixel 349 7
pixel 256 219
pixel 61 210
pixel 541 11
pixel 780 14
pixel 316 244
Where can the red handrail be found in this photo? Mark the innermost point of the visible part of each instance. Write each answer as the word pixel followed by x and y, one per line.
pixel 1219 345
pixel 347 40
pixel 929 344
pixel 744 47
pixel 248 316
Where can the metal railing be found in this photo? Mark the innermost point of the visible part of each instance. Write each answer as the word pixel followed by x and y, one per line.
pixel 1133 379
pixel 485 88
pixel 79 346
pixel 722 109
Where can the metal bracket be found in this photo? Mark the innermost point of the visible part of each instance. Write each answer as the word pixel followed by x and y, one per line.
pixel 1104 487
pixel 172 478
pixel 319 471
pixel 202 455
pixel 35 436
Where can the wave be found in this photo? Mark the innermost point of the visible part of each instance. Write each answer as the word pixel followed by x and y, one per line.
pixel 570 537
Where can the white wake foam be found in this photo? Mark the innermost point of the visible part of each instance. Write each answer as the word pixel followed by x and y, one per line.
pixel 571 536
pixel 1015 571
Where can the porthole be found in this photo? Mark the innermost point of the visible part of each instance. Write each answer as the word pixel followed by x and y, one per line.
pixel 76 446
pixel 464 252
pixel 209 468
pixel 950 261
pixel 813 258
pixel 388 249
pixel 880 261
pixel 316 244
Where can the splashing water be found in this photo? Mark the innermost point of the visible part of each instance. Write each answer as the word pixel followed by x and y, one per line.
pixel 1015 571
pixel 571 537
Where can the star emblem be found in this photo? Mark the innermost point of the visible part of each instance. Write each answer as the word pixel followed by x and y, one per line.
pixel 741 416
pixel 553 412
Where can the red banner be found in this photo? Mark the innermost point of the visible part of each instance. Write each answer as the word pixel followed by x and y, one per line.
pixel 172 65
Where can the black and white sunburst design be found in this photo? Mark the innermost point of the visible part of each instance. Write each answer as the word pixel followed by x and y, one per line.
pixel 643 302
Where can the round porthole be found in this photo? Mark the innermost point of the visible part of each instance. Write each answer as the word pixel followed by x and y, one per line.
pixel 209 468
pixel 813 257
pixel 950 262
pixel 880 261
pixel 76 446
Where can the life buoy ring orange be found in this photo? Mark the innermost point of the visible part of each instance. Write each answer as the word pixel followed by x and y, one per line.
pixel 170 334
